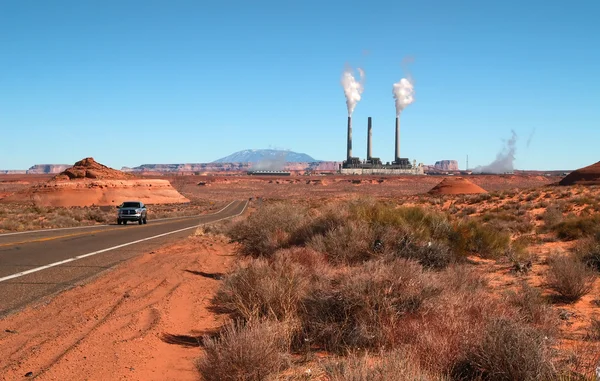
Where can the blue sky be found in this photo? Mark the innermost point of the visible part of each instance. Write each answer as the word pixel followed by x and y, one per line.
pixel 134 82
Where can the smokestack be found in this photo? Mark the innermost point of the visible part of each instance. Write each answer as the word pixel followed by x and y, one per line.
pixel 369 134
pixel 349 151
pixel 397 138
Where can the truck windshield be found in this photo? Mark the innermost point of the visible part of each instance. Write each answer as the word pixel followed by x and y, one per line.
pixel 130 205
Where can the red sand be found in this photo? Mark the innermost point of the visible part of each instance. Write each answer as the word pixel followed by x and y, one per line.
pixel 456 185
pixel 130 323
pixel 589 175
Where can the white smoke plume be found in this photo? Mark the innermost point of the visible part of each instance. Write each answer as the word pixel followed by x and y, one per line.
pixel 504 159
pixel 530 138
pixel 352 88
pixel 403 92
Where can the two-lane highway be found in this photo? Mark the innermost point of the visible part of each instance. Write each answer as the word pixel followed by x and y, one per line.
pixel 40 263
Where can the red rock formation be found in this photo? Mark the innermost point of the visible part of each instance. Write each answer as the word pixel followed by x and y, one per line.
pixel 88 168
pixel 589 175
pixel 446 165
pixel 91 183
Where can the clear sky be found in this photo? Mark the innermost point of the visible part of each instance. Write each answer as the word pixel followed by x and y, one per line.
pixel 134 82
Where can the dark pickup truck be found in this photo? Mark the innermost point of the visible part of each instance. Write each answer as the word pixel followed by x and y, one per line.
pixel 132 211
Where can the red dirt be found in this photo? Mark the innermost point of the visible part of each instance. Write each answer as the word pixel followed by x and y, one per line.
pixel 456 185
pixel 589 175
pixel 137 322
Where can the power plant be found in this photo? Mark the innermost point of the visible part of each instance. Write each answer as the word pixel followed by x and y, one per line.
pixel 403 96
pixel 373 165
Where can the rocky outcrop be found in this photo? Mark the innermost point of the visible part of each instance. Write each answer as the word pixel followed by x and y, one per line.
pixel 589 175
pixel 88 168
pixel 47 168
pixel 446 165
pixel 232 167
pixel 189 167
pixel 90 183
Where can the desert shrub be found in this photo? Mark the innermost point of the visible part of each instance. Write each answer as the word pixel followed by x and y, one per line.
pixel 321 222
pixel 468 210
pixel 577 227
pixel 485 240
pixel 594 329
pixel 436 255
pixel 424 224
pixel 394 365
pixel 461 278
pixel 11 224
pixel 246 353
pixel 348 243
pixel 583 200
pixel 449 325
pixel 98 215
pixel 313 262
pixel 533 308
pixel 62 220
pixel 508 221
pixel 532 196
pixel 263 289
pixel 552 216
pixel 268 229
pixel 362 306
pixel 588 251
pixel 508 351
pixel 569 277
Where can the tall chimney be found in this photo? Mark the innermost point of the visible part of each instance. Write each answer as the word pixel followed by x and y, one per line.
pixel 349 151
pixel 397 139
pixel 369 135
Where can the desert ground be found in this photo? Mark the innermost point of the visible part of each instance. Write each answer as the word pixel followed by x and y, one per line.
pixel 166 314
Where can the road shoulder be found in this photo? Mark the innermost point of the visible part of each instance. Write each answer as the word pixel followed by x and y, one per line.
pixel 135 322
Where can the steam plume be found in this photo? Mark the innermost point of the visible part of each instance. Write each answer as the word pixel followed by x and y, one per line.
pixel 352 88
pixel 530 138
pixel 403 94
pixel 504 159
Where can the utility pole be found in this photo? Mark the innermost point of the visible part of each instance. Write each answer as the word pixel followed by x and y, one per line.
pixel 467 162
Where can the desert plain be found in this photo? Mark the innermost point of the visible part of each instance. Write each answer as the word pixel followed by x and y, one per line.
pixel 324 277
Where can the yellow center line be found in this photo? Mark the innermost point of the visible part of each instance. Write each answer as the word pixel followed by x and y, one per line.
pixel 76 234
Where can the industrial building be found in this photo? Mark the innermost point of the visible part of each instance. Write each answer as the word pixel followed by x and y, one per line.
pixel 373 165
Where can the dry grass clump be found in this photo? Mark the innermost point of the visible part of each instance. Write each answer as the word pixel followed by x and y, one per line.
pixel 508 222
pixel 486 241
pixel 348 243
pixel 577 227
pixel 508 351
pixel 588 251
pixel 394 365
pixel 594 329
pixel 533 308
pixel 265 289
pixel 249 352
pixel 569 277
pixel 362 307
pixel 270 228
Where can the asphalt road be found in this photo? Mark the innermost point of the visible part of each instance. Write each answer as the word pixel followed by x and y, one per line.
pixel 37 264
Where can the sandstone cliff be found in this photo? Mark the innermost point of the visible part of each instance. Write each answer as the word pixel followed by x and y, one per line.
pixel 446 165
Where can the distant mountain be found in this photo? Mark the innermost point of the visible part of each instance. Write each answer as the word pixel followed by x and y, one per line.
pixel 266 155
